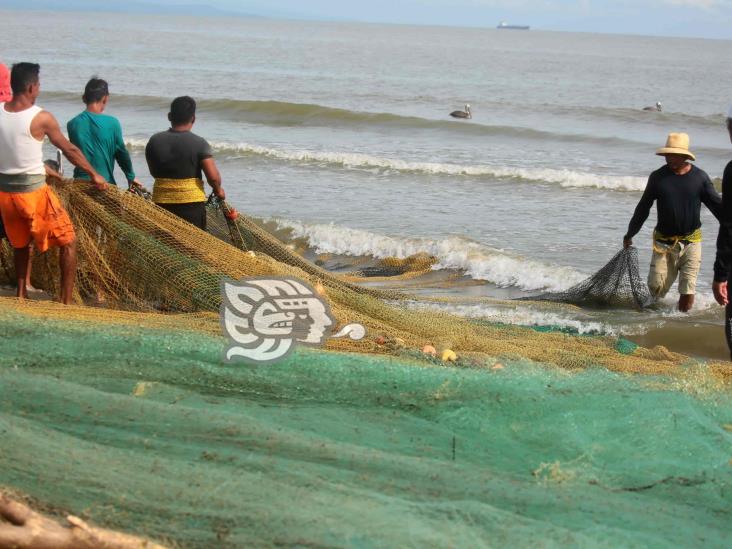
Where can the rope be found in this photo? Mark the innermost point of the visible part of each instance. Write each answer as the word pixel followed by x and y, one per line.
pixel 231 215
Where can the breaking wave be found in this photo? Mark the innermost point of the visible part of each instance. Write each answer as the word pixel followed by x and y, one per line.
pixel 564 178
pixel 454 253
pixel 525 316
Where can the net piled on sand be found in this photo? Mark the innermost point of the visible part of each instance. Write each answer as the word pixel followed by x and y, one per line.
pixel 125 415
pixel 140 428
pixel 617 284
pixel 134 256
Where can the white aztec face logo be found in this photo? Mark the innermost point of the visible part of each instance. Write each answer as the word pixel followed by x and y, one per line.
pixel 265 317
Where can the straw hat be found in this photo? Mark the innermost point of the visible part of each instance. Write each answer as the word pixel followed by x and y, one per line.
pixel 676 143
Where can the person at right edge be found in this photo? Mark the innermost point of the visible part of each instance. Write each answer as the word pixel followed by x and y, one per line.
pixel 176 159
pixel 679 188
pixel 723 262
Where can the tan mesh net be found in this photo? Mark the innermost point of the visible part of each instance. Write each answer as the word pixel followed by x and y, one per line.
pixel 137 258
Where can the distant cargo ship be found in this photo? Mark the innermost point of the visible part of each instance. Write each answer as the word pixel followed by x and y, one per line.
pixel 504 25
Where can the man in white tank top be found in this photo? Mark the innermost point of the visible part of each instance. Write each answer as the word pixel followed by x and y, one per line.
pixel 31 211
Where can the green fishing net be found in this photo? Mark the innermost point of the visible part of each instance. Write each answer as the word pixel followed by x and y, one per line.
pixel 143 429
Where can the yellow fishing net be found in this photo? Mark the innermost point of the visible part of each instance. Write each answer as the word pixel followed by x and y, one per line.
pixel 135 257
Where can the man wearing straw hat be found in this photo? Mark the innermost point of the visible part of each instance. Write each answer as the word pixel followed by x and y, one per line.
pixel 679 188
pixel 723 262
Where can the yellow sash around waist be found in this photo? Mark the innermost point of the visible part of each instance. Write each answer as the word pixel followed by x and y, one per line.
pixel 671 241
pixel 178 191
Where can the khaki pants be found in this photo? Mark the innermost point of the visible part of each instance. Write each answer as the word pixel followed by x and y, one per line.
pixel 668 262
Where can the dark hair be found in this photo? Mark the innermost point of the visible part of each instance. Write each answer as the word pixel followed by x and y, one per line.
pixel 23 75
pixel 182 110
pixel 96 90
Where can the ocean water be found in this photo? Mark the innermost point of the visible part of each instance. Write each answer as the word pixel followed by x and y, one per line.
pixel 339 134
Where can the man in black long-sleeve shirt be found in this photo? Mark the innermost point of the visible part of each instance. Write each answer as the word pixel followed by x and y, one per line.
pixel 723 262
pixel 680 189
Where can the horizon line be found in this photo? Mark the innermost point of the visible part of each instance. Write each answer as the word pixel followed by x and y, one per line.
pixel 160 9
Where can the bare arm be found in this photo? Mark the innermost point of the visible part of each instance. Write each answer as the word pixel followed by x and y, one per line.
pixel 208 165
pixel 44 124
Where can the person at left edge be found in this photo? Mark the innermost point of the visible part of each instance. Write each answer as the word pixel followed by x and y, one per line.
pixel 99 136
pixel 6 94
pixel 30 209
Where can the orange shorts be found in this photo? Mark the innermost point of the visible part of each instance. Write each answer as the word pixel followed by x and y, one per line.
pixel 37 216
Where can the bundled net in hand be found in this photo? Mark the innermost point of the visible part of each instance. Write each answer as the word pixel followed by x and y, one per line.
pixel 617 284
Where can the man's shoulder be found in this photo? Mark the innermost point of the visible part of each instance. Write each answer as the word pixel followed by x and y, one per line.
pixel 659 173
pixel 152 143
pixel 108 119
pixel 198 143
pixel 197 138
pixel 76 120
pixel 158 136
pixel 698 172
pixel 42 116
pixel 187 139
pixel 85 117
pixel 12 107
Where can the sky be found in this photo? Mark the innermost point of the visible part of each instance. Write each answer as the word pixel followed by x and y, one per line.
pixel 689 18
pixel 702 18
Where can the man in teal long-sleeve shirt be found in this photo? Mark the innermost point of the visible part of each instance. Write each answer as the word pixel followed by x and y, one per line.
pixel 99 136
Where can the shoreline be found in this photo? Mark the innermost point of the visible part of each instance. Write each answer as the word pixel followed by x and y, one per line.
pixel 689 337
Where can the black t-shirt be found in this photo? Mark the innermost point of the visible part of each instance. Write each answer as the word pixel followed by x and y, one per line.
pixel 723 263
pixel 678 199
pixel 176 155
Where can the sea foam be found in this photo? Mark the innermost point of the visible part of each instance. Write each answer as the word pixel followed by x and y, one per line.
pixel 350 160
pixel 475 260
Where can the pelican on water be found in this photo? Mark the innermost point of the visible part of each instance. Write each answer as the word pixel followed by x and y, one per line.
pixel 462 114
pixel 656 107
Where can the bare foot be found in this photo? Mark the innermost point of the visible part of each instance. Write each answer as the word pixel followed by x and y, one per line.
pixel 686 301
